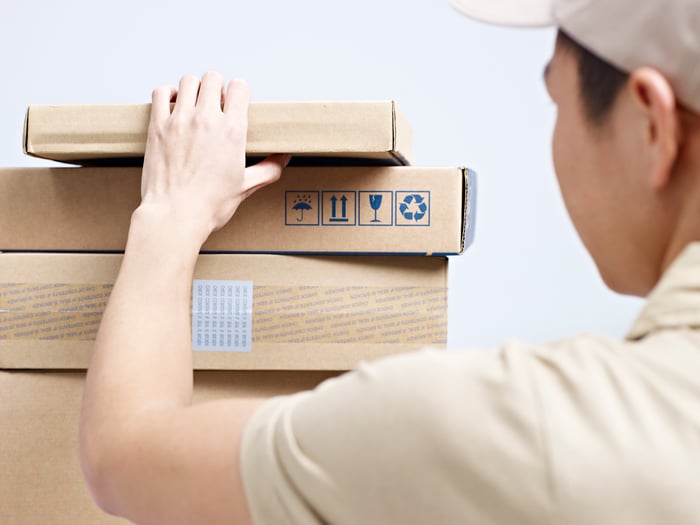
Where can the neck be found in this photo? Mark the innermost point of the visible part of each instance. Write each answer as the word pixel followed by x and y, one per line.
pixel 685 193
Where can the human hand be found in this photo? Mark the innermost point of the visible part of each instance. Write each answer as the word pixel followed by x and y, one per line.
pixel 194 172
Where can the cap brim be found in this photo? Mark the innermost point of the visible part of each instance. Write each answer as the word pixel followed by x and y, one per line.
pixel 515 13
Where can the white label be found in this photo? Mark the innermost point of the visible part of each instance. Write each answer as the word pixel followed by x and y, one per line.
pixel 222 315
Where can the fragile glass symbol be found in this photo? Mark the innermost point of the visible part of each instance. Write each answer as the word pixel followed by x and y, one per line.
pixel 301 203
pixel 413 207
pixel 375 201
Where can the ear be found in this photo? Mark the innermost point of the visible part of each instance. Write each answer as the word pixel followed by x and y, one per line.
pixel 655 98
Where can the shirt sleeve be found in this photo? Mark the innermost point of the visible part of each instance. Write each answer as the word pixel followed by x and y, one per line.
pixel 430 437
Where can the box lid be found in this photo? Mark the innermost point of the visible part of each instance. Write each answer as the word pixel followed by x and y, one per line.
pixel 105 134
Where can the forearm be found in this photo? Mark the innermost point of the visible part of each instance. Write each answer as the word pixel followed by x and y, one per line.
pixel 142 354
pixel 137 415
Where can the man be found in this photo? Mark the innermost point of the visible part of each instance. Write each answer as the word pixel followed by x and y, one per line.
pixel 586 430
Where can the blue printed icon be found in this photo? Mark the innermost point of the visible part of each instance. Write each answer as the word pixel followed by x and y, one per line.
pixel 343 209
pixel 376 208
pixel 413 208
pixel 301 208
pixel 375 201
pixel 301 203
pixel 339 208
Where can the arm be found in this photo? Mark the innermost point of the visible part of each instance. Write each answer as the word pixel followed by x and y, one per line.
pixel 147 453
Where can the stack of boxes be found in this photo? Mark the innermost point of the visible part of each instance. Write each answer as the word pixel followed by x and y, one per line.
pixel 281 299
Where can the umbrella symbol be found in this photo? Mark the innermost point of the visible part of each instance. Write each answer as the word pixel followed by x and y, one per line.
pixel 301 203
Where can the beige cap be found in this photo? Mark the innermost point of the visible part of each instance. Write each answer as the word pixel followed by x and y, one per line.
pixel 663 34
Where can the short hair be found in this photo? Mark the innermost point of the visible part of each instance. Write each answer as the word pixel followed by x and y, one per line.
pixel 599 81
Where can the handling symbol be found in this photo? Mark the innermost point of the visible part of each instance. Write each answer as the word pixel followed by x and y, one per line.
pixel 343 206
pixel 302 202
pixel 375 201
pixel 413 207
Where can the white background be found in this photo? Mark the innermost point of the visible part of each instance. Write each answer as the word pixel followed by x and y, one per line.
pixel 473 93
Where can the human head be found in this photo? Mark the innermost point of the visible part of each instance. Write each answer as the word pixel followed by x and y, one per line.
pixel 628 131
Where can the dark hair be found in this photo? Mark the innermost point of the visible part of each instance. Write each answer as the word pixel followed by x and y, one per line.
pixel 599 81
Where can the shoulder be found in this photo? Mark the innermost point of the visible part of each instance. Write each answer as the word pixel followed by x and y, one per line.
pixel 475 436
pixel 407 428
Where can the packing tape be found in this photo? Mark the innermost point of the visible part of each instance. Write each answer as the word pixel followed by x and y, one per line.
pixel 281 314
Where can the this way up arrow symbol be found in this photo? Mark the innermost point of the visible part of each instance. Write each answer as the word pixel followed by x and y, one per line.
pixel 343 209
pixel 333 208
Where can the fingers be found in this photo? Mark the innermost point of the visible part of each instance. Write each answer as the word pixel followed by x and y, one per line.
pixel 236 101
pixel 264 173
pixel 187 93
pixel 160 103
pixel 207 94
pixel 236 113
pixel 210 91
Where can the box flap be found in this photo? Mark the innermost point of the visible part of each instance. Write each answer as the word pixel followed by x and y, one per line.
pixel 403 137
pixel 25 145
pixel 469 207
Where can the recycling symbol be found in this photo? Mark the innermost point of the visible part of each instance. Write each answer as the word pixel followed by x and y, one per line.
pixel 413 207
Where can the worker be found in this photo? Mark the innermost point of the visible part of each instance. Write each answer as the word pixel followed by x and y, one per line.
pixel 586 430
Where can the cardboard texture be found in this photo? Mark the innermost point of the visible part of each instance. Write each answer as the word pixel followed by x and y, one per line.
pixel 88 133
pixel 40 477
pixel 306 313
pixel 396 210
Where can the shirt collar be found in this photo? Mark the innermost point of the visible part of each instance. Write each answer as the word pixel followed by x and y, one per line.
pixel 675 301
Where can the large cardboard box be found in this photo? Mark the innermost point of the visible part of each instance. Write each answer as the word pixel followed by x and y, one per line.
pixel 40 477
pixel 393 210
pixel 265 312
pixel 88 133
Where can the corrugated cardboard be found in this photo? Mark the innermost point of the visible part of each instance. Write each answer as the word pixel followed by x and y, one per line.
pixel 308 313
pixel 309 210
pixel 88 133
pixel 40 477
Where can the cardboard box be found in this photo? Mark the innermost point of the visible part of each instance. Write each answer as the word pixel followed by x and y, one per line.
pixel 309 210
pixel 308 313
pixel 89 133
pixel 40 477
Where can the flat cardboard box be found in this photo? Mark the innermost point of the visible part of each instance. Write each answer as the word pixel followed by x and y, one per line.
pixel 373 130
pixel 307 313
pixel 40 477
pixel 309 210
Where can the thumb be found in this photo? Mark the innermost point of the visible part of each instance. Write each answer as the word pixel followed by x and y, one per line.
pixel 263 173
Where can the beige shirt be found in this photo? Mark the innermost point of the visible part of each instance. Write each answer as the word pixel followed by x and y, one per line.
pixel 588 430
